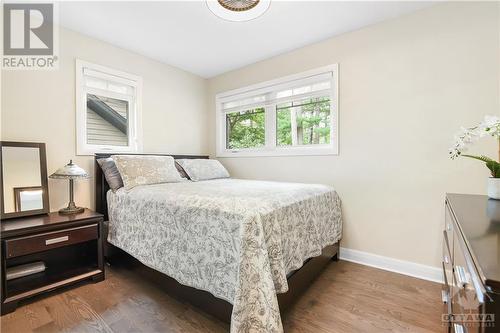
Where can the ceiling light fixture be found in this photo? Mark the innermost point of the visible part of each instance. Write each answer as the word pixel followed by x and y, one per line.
pixel 238 10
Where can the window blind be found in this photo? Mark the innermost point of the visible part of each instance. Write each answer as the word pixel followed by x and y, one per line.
pixel 313 86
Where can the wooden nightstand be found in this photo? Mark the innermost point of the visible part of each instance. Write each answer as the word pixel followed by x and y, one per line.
pixel 71 246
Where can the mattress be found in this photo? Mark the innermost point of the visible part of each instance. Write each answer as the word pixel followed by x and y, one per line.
pixel 237 239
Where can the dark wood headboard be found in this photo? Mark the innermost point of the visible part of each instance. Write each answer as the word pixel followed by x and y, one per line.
pixel 102 187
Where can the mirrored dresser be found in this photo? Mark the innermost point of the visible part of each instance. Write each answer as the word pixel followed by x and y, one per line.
pixel 471 264
pixel 41 251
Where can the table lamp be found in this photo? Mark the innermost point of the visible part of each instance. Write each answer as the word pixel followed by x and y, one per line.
pixel 70 171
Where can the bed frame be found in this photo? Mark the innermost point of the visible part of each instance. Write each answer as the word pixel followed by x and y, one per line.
pixel 298 281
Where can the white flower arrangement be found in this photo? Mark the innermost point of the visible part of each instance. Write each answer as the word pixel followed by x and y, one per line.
pixel 490 126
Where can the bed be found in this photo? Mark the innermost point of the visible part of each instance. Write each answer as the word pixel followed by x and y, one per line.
pixel 245 248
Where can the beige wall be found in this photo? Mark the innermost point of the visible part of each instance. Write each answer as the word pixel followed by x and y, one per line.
pixel 40 106
pixel 406 87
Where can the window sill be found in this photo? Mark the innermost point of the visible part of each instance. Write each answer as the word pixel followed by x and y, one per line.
pixel 295 151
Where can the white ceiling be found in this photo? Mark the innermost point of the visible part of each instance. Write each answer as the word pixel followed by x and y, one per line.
pixel 187 35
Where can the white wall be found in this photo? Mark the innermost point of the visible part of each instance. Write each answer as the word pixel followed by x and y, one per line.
pixel 406 87
pixel 39 106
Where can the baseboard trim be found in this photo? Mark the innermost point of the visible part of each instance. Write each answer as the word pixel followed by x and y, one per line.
pixel 409 268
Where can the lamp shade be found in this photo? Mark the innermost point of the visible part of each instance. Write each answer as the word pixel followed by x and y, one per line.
pixel 70 171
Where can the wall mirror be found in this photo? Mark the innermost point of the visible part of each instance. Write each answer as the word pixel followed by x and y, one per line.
pixel 23 176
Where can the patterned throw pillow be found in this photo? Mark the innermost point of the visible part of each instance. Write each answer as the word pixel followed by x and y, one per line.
pixel 203 169
pixel 111 173
pixel 146 169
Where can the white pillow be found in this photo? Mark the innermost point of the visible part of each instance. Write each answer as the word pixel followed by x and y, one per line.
pixel 203 169
pixel 146 169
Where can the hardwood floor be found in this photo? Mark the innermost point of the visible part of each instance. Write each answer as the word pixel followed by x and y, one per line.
pixel 347 297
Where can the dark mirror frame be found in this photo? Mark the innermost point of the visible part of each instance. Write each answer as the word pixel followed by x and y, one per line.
pixel 43 175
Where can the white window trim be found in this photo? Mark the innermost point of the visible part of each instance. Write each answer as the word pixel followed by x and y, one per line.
pixel 270 148
pixel 135 135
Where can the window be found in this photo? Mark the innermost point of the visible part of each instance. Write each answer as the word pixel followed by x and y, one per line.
pixel 245 129
pixel 108 110
pixel 303 122
pixel 295 115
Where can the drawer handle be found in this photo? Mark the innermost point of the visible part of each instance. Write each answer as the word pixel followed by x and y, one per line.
pixel 56 240
pixel 446 259
pixel 461 275
pixel 444 296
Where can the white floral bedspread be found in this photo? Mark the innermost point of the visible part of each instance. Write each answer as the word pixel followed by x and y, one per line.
pixel 236 239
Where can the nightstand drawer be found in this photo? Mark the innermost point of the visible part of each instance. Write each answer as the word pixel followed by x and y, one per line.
pixel 31 244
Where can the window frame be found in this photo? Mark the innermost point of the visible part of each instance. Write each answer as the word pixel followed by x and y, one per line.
pixel 271 148
pixel 134 108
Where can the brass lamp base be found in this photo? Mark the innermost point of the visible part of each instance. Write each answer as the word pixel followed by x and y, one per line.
pixel 69 210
